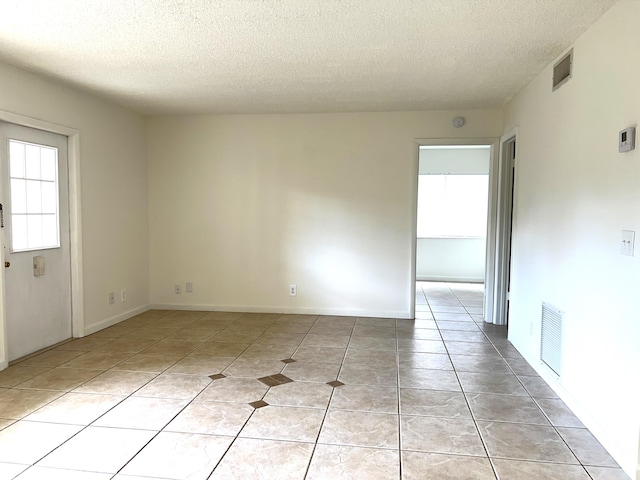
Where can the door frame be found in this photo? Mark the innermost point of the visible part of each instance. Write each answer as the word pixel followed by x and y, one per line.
pixel 502 206
pixel 494 143
pixel 500 247
pixel 75 227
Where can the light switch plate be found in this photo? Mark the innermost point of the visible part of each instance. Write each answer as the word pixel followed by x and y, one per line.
pixel 628 240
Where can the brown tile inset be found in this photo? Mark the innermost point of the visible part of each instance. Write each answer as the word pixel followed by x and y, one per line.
pixel 259 404
pixel 275 380
pixel 288 360
pixel 335 384
pixel 217 376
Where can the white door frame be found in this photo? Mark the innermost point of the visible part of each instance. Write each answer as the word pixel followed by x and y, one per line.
pixel 499 247
pixel 75 228
pixel 494 143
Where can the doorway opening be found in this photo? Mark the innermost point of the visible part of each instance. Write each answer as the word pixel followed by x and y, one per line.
pixel 453 192
pixel 500 219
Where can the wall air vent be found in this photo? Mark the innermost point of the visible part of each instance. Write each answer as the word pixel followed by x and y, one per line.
pixel 562 70
pixel 551 338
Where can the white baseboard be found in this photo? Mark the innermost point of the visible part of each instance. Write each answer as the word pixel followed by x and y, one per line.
pixel 108 322
pixel 619 454
pixel 285 310
pixel 436 278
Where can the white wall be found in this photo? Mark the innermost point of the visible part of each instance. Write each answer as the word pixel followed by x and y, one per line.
pixel 451 259
pixel 574 195
pixel 243 206
pixel 113 188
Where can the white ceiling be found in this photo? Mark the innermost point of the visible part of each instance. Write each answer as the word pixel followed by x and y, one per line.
pixel 258 56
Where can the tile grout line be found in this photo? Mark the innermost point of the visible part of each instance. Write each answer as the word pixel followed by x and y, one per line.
pixel 464 395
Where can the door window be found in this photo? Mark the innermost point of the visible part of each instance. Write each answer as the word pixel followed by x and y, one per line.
pixel 33 173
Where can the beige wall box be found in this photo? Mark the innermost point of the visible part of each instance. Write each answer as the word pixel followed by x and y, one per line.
pixel 627 139
pixel 38 266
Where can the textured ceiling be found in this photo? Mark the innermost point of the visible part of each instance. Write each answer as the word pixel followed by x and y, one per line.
pixel 254 56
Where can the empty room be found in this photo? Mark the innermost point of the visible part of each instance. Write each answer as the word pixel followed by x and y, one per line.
pixel 216 263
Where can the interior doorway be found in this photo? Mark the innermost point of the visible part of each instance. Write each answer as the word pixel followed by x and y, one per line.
pixel 453 187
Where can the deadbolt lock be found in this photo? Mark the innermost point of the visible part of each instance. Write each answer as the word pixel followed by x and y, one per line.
pixel 7 264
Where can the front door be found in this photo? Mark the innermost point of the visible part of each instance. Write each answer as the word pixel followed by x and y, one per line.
pixel 36 257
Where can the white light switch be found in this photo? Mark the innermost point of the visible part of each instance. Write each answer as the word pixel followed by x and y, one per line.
pixel 628 239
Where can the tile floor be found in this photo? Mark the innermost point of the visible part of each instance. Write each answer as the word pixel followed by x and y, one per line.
pixel 197 395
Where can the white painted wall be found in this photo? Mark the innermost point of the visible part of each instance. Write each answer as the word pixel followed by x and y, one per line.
pixel 452 259
pixel 113 188
pixel 243 206
pixel 574 195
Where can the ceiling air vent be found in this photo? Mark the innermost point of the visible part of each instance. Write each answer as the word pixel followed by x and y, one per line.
pixel 551 338
pixel 562 70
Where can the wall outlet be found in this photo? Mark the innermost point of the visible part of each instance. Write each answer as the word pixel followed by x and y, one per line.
pixel 112 298
pixel 628 239
pixel 189 288
pixel 123 295
pixel 178 289
pixel 293 290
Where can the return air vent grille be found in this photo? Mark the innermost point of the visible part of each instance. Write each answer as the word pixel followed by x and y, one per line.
pixel 551 338
pixel 562 70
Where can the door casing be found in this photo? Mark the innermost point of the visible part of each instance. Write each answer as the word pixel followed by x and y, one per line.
pixel 500 246
pixel 75 228
pixel 491 217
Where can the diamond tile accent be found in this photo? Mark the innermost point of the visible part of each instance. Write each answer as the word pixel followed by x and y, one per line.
pixel 275 380
pixel 335 384
pixel 217 376
pixel 288 360
pixel 259 404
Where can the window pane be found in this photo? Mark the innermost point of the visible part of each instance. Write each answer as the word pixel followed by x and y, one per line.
pixel 49 197
pixel 16 159
pixel 49 164
pixel 452 205
pixel 34 197
pixel 33 162
pixel 50 231
pixel 18 196
pixel 34 231
pixel 19 232
pixel 431 211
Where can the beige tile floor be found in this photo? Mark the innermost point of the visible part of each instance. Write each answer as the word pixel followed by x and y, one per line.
pixel 441 397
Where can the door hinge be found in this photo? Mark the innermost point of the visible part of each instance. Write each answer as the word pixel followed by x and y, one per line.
pixel 1 216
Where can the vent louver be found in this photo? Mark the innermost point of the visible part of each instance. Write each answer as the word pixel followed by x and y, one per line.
pixel 562 71
pixel 551 338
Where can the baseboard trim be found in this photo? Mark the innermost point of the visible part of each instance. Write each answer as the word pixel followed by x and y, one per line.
pixel 286 310
pixel 109 322
pixel 619 454
pixel 435 278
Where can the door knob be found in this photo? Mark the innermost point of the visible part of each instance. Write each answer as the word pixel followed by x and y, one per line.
pixel 7 264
